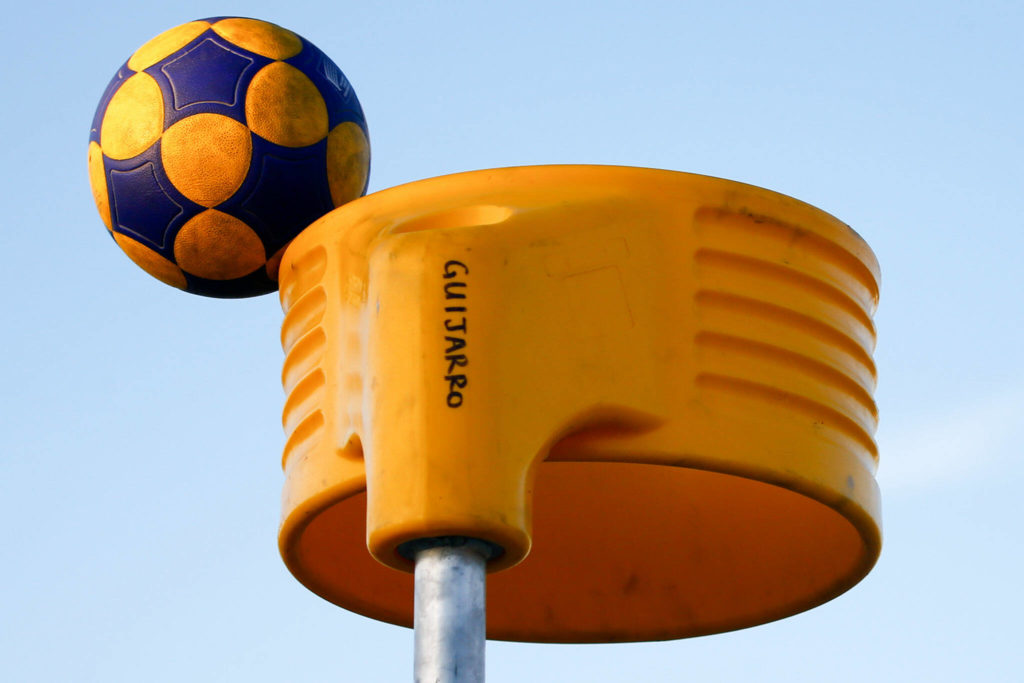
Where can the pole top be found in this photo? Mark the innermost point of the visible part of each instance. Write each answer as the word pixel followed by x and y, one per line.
pixel 652 390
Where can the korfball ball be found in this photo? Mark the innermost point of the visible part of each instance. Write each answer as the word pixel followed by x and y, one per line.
pixel 215 144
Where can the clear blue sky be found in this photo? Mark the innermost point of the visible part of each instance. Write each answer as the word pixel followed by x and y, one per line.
pixel 140 449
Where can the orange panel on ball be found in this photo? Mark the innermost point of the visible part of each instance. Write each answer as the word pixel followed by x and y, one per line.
pixel 134 118
pixel 164 44
pixel 283 106
pixel 151 262
pixel 260 37
pixel 348 162
pixel 274 263
pixel 216 246
pixel 98 181
pixel 206 156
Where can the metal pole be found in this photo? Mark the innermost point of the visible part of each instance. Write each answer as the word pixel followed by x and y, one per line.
pixel 450 609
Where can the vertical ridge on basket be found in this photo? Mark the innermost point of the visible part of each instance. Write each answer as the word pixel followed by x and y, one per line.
pixel 732 348
pixel 777 296
pixel 816 410
pixel 821 255
pixel 745 308
pixel 730 264
pixel 304 341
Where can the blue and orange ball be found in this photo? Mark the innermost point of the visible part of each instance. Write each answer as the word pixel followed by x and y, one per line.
pixel 215 144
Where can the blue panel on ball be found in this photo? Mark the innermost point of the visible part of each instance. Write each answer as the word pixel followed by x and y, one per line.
pixel 141 208
pixel 253 284
pixel 287 192
pixel 208 73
